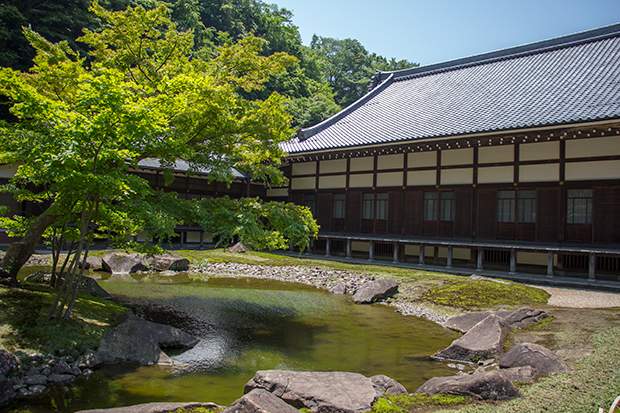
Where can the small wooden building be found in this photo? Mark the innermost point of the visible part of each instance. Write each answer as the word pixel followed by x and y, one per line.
pixel 505 159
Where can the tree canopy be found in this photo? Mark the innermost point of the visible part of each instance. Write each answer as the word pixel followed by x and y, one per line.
pixel 85 120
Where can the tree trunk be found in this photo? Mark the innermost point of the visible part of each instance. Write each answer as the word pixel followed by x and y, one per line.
pixel 19 252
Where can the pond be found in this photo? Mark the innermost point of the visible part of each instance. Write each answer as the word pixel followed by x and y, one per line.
pixel 247 325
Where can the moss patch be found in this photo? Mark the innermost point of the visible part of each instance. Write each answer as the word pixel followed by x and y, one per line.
pixel 23 314
pixel 474 295
pixel 417 403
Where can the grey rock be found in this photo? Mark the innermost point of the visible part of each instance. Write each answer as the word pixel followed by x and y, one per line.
pixel 122 264
pixel 153 408
pixel 260 401
pixel 46 370
pixel 375 290
pixel 318 391
pixel 7 391
pixel 166 336
pixel 484 386
pixel 75 371
pixel 384 384
pixel 92 263
pixel 239 248
pixel 131 341
pixel 60 378
pixel 87 373
pixel 36 389
pixel 483 341
pixel 23 392
pixel 524 317
pixel 8 362
pixel 339 289
pixel 527 354
pixel 525 374
pixel 90 286
pixel 520 318
pixel 36 379
pixel 61 368
pixel 89 359
pixel 164 262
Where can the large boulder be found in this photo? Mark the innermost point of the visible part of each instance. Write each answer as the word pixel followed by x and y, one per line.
pixel 132 341
pixel 482 342
pixel 375 290
pixel 122 264
pixel 540 358
pixel 168 262
pixel 484 386
pixel 384 384
pixel 526 374
pixel 154 408
pixel 327 392
pixel 92 263
pixel 165 336
pixel 260 401
pixel 7 392
pixel 520 318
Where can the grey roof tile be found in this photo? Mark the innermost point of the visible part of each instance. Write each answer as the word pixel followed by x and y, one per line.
pixel 565 80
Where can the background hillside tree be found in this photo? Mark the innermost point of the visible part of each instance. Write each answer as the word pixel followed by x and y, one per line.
pixel 86 120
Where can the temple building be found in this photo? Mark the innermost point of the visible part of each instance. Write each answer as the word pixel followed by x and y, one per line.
pixel 509 160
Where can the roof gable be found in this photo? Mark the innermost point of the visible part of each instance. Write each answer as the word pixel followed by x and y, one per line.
pixel 571 79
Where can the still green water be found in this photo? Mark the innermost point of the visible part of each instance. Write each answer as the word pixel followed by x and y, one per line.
pixel 248 325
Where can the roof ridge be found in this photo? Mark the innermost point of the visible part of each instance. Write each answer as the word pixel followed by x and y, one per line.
pixel 555 43
pixel 305 133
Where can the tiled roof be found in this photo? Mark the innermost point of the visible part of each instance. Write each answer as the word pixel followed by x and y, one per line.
pixel 181 166
pixel 565 80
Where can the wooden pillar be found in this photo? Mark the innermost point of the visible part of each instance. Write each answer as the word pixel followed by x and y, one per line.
pixel 450 254
pixel 349 249
pixel 371 250
pixel 202 239
pixel 422 253
pixel 309 248
pixel 550 264
pixel 513 261
pixel 181 238
pixel 480 262
pixel 327 247
pixel 395 257
pixel 592 267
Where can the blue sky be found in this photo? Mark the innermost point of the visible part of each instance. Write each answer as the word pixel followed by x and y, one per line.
pixel 435 31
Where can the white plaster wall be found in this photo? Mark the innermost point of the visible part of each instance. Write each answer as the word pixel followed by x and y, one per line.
pixel 275 192
pixel 583 148
pixel 421 159
pixel 360 181
pixel 390 179
pixel 533 258
pixel 495 154
pixel 303 183
pixel 414 251
pixel 539 151
pixel 362 164
pixel 360 246
pixel 337 181
pixel 592 170
pixel 7 172
pixel 419 178
pixel 193 236
pixel 391 161
pixel 457 176
pixel 457 253
pixel 539 173
pixel 333 166
pixel 457 157
pixel 495 174
pixel 304 168
pixel 141 236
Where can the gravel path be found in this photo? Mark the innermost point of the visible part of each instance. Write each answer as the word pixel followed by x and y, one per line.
pixel 572 298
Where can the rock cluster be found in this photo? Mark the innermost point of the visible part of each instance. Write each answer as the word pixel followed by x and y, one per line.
pixel 125 264
pixel 483 343
pixel 27 379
